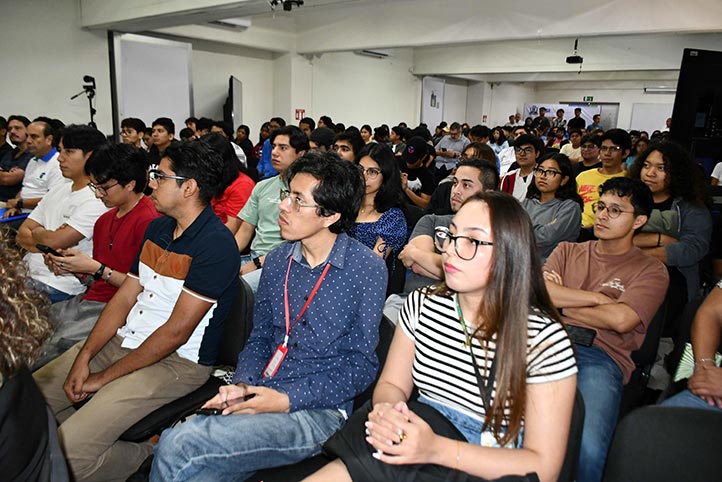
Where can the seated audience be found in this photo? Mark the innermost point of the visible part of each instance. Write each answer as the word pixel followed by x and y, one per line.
pixel 498 140
pixel 226 130
pixel 265 165
pixel 527 149
pixel 159 336
pixel 131 132
pixel 163 137
pixel 380 224
pixel 398 136
pixel 507 158
pixel 448 151
pixel 367 133
pixel 704 387
pixel 589 148
pixel 333 287
pixel 263 134
pixel 509 380
pixel 242 140
pixel 615 147
pixel 30 448
pixel 42 172
pixel 307 125
pixel 118 176
pixel 321 139
pixel 417 182
pixel 347 145
pixel 236 187
pixel 553 204
pixel 573 150
pixel 609 291
pixel 259 227
pixel 14 161
pixel 65 216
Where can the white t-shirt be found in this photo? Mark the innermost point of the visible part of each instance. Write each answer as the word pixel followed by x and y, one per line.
pixel 717 171
pixel 79 210
pixel 40 177
pixel 570 152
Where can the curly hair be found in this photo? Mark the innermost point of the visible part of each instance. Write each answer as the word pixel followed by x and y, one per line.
pixel 685 178
pixel 24 324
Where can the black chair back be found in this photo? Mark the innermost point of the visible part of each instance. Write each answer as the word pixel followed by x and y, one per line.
pixel 666 444
pixel 574 441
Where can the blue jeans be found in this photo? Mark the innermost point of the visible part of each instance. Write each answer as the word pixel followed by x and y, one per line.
pixel 218 448
pixel 254 277
pixel 689 400
pixel 55 295
pixel 601 384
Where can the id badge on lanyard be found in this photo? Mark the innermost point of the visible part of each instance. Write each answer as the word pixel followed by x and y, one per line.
pixel 280 354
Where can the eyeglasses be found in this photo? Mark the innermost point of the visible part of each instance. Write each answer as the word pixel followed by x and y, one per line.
pixel 295 202
pixel 589 146
pixel 464 246
pixel 157 176
pixel 546 172
pixel 101 190
pixel 613 211
pixel 610 149
pixel 523 150
pixel 371 173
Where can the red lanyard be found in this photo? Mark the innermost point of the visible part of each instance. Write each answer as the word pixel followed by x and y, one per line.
pixel 289 327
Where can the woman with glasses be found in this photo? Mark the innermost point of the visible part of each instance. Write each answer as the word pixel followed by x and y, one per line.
pixel 380 224
pixel 553 204
pixel 491 361
pixel 679 229
pixel 118 176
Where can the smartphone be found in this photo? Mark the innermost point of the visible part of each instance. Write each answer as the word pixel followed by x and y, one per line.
pixel 47 250
pixel 443 149
pixel 580 335
pixel 209 411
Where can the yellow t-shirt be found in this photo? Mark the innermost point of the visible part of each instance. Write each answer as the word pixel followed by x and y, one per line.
pixel 588 184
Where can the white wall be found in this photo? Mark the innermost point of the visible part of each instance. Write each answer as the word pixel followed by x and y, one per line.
pixel 506 99
pixel 475 102
pixel 359 90
pixel 44 57
pixel 455 97
pixel 626 93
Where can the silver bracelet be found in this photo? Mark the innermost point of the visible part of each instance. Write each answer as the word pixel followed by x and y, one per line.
pixel 107 276
pixel 702 360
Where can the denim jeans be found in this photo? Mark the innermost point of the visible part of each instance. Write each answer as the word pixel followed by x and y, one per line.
pixel 217 448
pixel 254 277
pixel 601 384
pixel 689 400
pixel 54 294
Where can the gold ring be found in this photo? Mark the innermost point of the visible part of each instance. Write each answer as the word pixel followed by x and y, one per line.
pixel 402 437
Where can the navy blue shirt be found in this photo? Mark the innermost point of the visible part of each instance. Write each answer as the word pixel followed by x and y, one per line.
pixel 8 161
pixel 331 351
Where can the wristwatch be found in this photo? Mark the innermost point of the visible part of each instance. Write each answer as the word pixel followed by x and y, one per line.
pixel 19 204
pixel 257 262
pixel 99 274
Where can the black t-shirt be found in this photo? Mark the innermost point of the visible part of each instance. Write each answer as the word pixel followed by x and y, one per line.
pixel 576 123
pixel 579 167
pixel 665 205
pixel 440 202
pixel 541 123
pixel 420 180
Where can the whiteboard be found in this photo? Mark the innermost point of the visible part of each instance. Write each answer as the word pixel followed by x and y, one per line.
pixel 650 117
pixel 153 79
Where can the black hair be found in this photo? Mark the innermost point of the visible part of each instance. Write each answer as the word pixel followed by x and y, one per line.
pixel 3 122
pixel 186 133
pixel 265 125
pixel 225 127
pixel 455 126
pixel 191 119
pixel 353 138
pixel 638 193
pixel 231 166
pixel 326 121
pixel 122 162
pixel 488 174
pixel 204 124
pixel 530 139
pixel 481 151
pixel 480 131
pixel 296 137
pixel 684 177
pixel 575 130
pixel 339 128
pixel 166 123
pixel 133 123
pixel 82 137
pixel 245 129
pixel 565 191
pixel 340 188
pixel 381 133
pixel 19 118
pixel 619 137
pixel 560 110
pixel 593 138
pixel 502 135
pixel 309 122
pixel 367 128
pixel 278 120
pixel 199 161
pixel 401 131
pixel 52 127
pixel 389 194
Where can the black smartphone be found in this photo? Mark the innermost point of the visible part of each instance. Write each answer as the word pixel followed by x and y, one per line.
pixel 209 411
pixel 443 149
pixel 580 335
pixel 47 250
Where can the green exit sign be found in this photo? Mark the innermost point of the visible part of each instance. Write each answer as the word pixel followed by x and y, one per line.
pixel 588 98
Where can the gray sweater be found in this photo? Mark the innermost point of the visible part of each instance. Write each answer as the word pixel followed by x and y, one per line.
pixel 554 221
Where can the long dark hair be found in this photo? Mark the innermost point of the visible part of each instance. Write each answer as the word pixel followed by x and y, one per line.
pixel 389 194
pixel 685 177
pixel 515 276
pixel 565 191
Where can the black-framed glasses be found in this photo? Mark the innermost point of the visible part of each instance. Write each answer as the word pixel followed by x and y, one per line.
pixel 524 150
pixel 371 173
pixel 546 172
pixel 101 190
pixel 294 201
pixel 613 211
pixel 156 175
pixel 464 246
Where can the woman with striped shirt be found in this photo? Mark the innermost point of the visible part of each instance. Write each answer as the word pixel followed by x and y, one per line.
pixel 492 363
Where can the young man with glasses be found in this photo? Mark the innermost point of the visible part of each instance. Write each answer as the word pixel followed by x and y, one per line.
pixel 132 130
pixel 316 320
pixel 590 154
pixel 118 176
pixel 527 150
pixel 615 147
pixel 65 215
pixel 158 337
pixel 609 291
pixel 259 216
